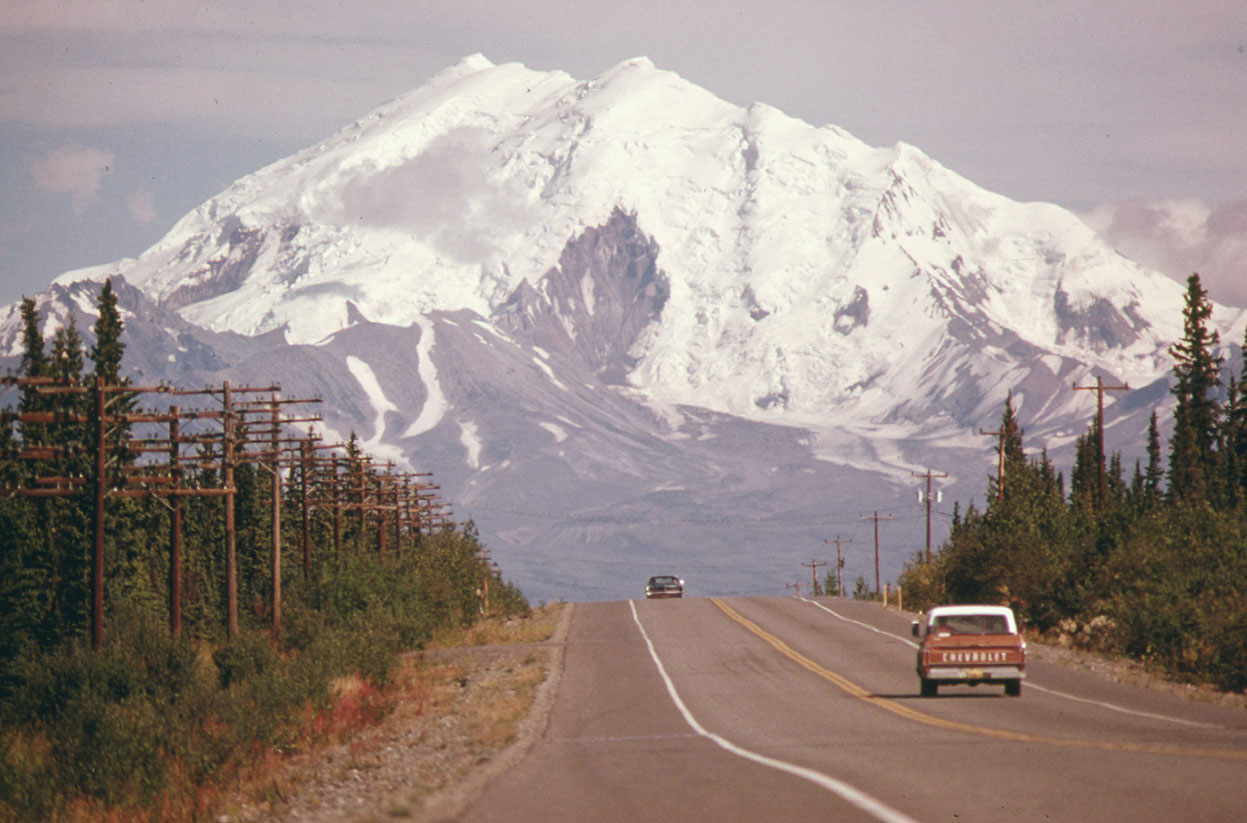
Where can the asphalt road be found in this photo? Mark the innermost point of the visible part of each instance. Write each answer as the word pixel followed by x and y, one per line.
pixel 765 709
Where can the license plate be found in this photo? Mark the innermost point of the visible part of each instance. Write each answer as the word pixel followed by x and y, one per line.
pixel 974 674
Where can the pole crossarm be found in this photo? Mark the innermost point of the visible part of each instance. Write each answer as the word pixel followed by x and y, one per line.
pixel 102 443
pixel 929 475
pixel 1099 388
pixel 839 564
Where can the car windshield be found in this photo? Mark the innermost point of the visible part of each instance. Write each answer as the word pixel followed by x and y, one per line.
pixel 662 581
pixel 972 624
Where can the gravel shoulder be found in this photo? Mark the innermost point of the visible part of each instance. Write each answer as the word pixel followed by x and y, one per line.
pixel 469 712
pixel 1129 672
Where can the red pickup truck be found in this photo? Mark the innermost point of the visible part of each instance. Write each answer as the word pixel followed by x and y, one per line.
pixel 970 644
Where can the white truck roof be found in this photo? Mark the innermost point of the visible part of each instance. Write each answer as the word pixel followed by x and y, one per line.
pixel 968 609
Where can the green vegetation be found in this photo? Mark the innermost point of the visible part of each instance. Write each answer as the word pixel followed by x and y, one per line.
pixel 156 724
pixel 1150 569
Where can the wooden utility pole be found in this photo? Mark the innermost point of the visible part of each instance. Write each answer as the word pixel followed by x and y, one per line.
pixel 101 490
pixel 796 586
pixel 876 517
pixel 231 530
pixel 929 475
pixel 1099 388
pixel 231 416
pixel 274 447
pixel 1000 461
pixel 175 528
pixel 814 566
pixel 839 564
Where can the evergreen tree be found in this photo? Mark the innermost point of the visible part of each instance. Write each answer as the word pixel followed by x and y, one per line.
pixel 34 364
pixel 1196 368
pixel 108 350
pixel 1234 435
pixel 34 360
pixel 1084 478
pixel 1155 471
pixel 69 520
pixel 1012 457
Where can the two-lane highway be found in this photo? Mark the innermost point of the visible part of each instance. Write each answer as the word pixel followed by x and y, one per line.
pixel 777 709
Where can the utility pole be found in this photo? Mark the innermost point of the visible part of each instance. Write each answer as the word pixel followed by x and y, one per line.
pixel 275 547
pixel 796 586
pixel 839 564
pixel 175 527
pixel 1099 388
pixel 814 566
pixel 876 517
pixel 1000 461
pixel 928 476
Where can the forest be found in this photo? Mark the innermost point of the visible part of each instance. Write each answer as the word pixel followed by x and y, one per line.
pixel 163 628
pixel 1151 562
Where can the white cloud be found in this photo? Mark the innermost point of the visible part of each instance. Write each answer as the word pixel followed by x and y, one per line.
pixel 445 195
pixel 73 170
pixel 142 206
pixel 1181 236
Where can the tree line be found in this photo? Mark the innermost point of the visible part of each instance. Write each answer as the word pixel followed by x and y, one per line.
pixel 163 707
pixel 1150 563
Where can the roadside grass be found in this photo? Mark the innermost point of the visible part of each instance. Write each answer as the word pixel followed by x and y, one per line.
pixel 157 730
pixel 536 628
pixel 492 706
pixel 466 700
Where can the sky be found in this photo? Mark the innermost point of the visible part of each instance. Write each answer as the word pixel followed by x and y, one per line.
pixel 117 117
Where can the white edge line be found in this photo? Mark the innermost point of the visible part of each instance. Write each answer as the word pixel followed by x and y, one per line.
pixel 852 795
pixel 1030 684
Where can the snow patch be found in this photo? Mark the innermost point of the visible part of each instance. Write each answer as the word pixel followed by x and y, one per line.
pixel 545 367
pixel 435 404
pixel 469 436
pixel 381 404
pixel 560 434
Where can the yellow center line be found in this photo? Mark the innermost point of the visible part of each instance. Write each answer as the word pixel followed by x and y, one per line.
pixel 854 690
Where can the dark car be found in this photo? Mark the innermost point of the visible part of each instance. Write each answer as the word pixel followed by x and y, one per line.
pixel 664 585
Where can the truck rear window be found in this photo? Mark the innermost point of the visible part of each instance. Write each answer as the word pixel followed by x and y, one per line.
pixel 971 624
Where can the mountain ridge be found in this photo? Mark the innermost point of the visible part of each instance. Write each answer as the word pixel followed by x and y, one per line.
pixel 609 289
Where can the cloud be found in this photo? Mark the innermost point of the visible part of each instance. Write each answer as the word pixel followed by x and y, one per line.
pixel 444 195
pixel 1181 236
pixel 142 206
pixel 73 170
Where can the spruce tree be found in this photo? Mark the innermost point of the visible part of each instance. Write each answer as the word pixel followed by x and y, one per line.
pixel 1155 471
pixel 1196 369
pixel 1235 434
pixel 34 364
pixel 1012 457
pixel 108 350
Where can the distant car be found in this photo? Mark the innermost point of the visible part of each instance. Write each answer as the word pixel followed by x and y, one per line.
pixel 664 585
pixel 972 645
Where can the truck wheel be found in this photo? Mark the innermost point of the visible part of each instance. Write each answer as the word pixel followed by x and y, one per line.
pixel 930 688
pixel 1013 688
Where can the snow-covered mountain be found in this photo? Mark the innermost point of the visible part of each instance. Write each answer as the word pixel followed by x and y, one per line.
pixel 633 328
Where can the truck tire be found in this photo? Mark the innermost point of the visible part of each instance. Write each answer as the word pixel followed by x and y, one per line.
pixel 930 688
pixel 1013 688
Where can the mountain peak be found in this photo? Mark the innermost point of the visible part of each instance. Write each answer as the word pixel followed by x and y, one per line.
pixel 802 264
